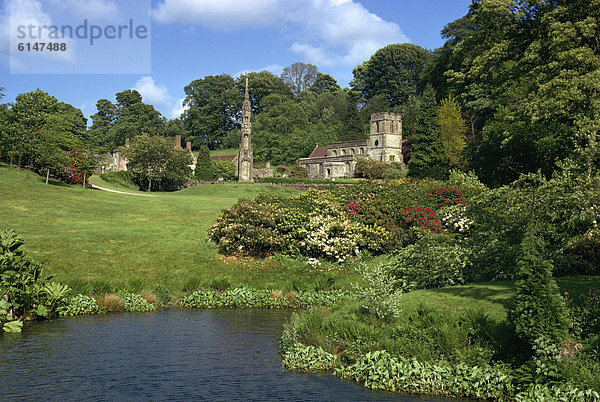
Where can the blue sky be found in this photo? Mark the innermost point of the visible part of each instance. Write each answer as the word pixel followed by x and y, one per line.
pixel 190 39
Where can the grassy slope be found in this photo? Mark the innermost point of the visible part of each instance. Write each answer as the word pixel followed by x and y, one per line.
pixel 89 234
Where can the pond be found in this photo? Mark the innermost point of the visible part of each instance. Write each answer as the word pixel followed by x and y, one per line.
pixel 174 354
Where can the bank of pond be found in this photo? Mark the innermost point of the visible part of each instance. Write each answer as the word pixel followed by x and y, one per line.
pixel 445 347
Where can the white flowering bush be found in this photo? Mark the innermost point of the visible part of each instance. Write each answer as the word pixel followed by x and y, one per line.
pixel 332 237
pixel 454 218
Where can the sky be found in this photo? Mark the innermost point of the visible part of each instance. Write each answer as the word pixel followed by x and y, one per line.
pixel 159 46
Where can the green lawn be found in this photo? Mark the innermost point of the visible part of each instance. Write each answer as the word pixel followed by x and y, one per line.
pixel 84 234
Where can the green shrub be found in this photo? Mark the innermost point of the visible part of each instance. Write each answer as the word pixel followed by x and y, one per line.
pixel 80 305
pixel 225 170
pixel 249 297
pixel 307 359
pixel 381 292
pixel 205 170
pixel 432 262
pixel 380 370
pixel 135 302
pixel 23 292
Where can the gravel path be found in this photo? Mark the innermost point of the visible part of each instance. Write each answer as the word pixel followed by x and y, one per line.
pixel 119 192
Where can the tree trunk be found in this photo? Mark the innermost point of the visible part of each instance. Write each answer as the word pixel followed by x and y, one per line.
pixel 47 175
pixel 149 184
pixel 84 180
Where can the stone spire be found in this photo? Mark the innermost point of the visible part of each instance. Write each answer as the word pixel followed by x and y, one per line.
pixel 245 158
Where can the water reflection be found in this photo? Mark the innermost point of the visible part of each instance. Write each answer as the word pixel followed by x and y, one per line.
pixel 199 355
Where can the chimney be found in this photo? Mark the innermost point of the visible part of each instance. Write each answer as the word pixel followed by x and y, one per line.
pixel 188 145
pixel 127 142
pixel 144 134
pixel 178 141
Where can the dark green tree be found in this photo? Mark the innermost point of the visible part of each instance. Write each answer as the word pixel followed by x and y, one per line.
pixel 214 108
pixel 133 118
pixel 325 83
pixel 394 71
pixel 538 309
pixel 156 165
pixel 205 169
pixel 102 121
pixel 428 157
pixel 260 85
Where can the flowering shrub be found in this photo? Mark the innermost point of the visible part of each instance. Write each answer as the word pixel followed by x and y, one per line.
pixel 332 238
pixel 426 218
pixel 445 196
pixel 454 218
pixel 247 228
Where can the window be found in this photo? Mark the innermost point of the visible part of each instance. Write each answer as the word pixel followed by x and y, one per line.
pixel 376 143
pixel 343 152
pixel 391 158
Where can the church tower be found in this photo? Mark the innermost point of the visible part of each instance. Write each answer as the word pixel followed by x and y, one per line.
pixel 385 140
pixel 244 159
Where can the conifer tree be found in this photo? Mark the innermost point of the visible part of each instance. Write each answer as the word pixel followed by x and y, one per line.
pixel 428 157
pixel 538 309
pixel 205 170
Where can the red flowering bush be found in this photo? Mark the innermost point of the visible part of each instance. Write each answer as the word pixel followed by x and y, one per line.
pixel 426 218
pixel 82 165
pixel 445 196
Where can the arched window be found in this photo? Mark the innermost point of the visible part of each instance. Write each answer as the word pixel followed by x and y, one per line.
pixel 376 143
pixel 343 152
pixel 334 152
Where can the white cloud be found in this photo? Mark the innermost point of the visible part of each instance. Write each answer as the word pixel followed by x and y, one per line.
pixel 324 32
pixel 91 9
pixel 342 33
pixel 28 19
pixel 219 14
pixel 159 97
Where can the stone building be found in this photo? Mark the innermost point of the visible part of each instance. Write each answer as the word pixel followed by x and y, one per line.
pixel 338 159
pixel 244 161
pixel 118 162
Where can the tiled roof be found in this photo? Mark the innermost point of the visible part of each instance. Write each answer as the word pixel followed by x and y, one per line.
pixel 319 152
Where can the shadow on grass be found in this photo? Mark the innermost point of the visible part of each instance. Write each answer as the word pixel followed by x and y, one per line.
pixel 57 183
pixel 500 292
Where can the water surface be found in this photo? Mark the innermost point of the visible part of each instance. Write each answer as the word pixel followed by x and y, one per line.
pixel 168 355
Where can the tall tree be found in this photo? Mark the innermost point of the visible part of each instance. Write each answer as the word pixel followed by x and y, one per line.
pixel 299 77
pixel 454 130
pixel 428 158
pixel 526 75
pixel 102 121
pixel 133 118
pixel 394 71
pixel 214 107
pixel 325 83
